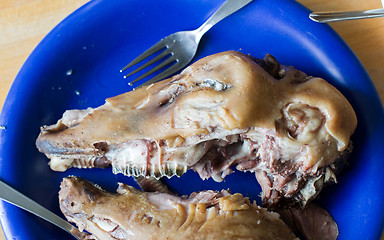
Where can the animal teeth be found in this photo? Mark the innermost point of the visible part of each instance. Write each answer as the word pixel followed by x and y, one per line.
pixel 83 163
pixel 167 170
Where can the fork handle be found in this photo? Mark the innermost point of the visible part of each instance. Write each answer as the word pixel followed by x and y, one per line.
pixel 226 9
pixel 349 15
pixel 14 197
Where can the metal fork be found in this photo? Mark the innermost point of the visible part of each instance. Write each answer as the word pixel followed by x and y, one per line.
pixel 345 15
pixel 333 16
pixel 14 197
pixel 178 49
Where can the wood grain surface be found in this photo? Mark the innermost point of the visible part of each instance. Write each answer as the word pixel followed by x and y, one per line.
pixel 24 23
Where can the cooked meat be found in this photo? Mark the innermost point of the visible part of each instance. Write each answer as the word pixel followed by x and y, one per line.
pixel 148 184
pixel 312 222
pixel 132 214
pixel 227 109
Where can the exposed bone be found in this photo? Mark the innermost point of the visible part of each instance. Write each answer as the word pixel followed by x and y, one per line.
pixel 132 214
pixel 224 110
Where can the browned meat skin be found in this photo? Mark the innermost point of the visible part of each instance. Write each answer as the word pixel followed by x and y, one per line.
pixel 225 110
pixel 132 214
pixel 310 223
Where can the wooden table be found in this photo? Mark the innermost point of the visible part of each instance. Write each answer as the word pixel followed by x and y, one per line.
pixel 24 23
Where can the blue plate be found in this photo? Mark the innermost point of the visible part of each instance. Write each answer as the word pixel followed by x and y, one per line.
pixel 77 66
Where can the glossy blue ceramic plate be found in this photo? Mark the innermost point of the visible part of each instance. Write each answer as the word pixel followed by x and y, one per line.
pixel 77 66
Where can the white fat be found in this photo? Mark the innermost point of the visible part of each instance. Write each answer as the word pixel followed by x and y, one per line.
pixel 72 117
pixel 105 224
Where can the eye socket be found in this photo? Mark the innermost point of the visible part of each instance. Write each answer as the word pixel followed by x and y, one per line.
pixel 214 84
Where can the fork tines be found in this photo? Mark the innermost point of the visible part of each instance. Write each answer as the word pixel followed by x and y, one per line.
pixel 164 57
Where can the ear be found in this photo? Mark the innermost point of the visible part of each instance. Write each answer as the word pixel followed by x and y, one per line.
pixel 300 121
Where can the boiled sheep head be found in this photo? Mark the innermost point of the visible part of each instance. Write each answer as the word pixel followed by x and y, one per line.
pixel 228 109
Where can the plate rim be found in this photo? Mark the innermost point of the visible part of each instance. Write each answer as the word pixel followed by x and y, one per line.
pixel 12 94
